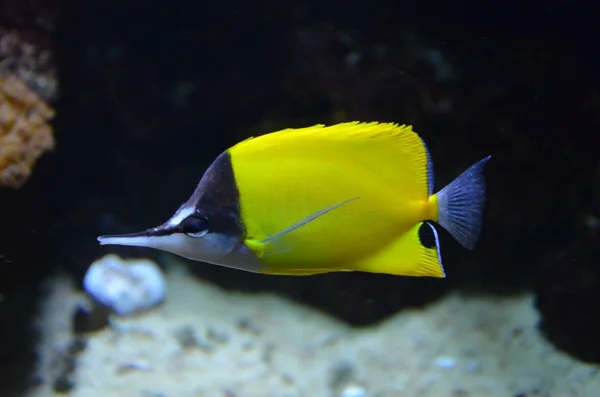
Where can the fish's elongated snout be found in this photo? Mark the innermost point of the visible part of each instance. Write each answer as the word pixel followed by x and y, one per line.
pixel 176 243
pixel 213 248
pixel 169 241
pixel 140 239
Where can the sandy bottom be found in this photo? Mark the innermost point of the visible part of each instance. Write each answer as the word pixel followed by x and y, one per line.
pixel 204 341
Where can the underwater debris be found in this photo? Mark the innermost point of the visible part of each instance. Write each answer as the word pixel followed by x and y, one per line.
pixel 343 381
pixel 248 324
pixel 217 335
pixel 341 375
pixel 126 286
pixel 132 366
pixel 187 339
pixel 90 317
pixel 25 133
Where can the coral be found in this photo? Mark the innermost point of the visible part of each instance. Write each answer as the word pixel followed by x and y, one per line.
pixel 27 83
pixel 24 131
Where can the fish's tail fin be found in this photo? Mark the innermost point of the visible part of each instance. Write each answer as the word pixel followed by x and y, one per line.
pixel 460 205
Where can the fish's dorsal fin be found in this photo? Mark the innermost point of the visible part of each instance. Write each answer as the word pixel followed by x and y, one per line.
pixel 305 130
pixel 350 130
pixel 384 143
pixel 272 244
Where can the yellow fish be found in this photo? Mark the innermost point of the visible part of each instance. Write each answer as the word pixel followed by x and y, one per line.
pixel 348 197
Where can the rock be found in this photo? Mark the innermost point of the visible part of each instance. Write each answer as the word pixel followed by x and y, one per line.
pixel 567 293
pixel 126 286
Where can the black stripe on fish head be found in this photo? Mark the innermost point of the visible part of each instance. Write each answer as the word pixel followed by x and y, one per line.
pixel 216 199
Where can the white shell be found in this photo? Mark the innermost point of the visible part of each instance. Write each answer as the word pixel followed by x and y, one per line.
pixel 126 286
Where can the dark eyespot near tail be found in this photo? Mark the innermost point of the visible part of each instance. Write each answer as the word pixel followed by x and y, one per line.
pixel 427 236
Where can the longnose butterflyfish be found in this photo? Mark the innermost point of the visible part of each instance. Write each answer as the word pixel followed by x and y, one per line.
pixel 353 196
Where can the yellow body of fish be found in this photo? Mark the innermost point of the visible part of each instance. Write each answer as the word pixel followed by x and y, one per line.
pixel 348 197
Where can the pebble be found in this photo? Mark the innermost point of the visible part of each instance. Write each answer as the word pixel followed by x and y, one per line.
pixel 187 339
pixel 248 324
pixel 353 391
pixel 217 335
pixel 445 362
pixel 341 374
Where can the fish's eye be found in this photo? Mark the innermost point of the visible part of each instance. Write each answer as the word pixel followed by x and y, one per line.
pixel 195 226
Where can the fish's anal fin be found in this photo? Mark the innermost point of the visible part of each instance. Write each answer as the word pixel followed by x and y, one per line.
pixel 415 253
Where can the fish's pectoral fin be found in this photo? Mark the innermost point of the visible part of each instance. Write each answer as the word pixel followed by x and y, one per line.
pixel 275 244
pixel 308 219
pixel 415 253
pixel 264 248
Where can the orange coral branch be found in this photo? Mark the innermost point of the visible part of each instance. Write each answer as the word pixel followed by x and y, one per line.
pixel 25 132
